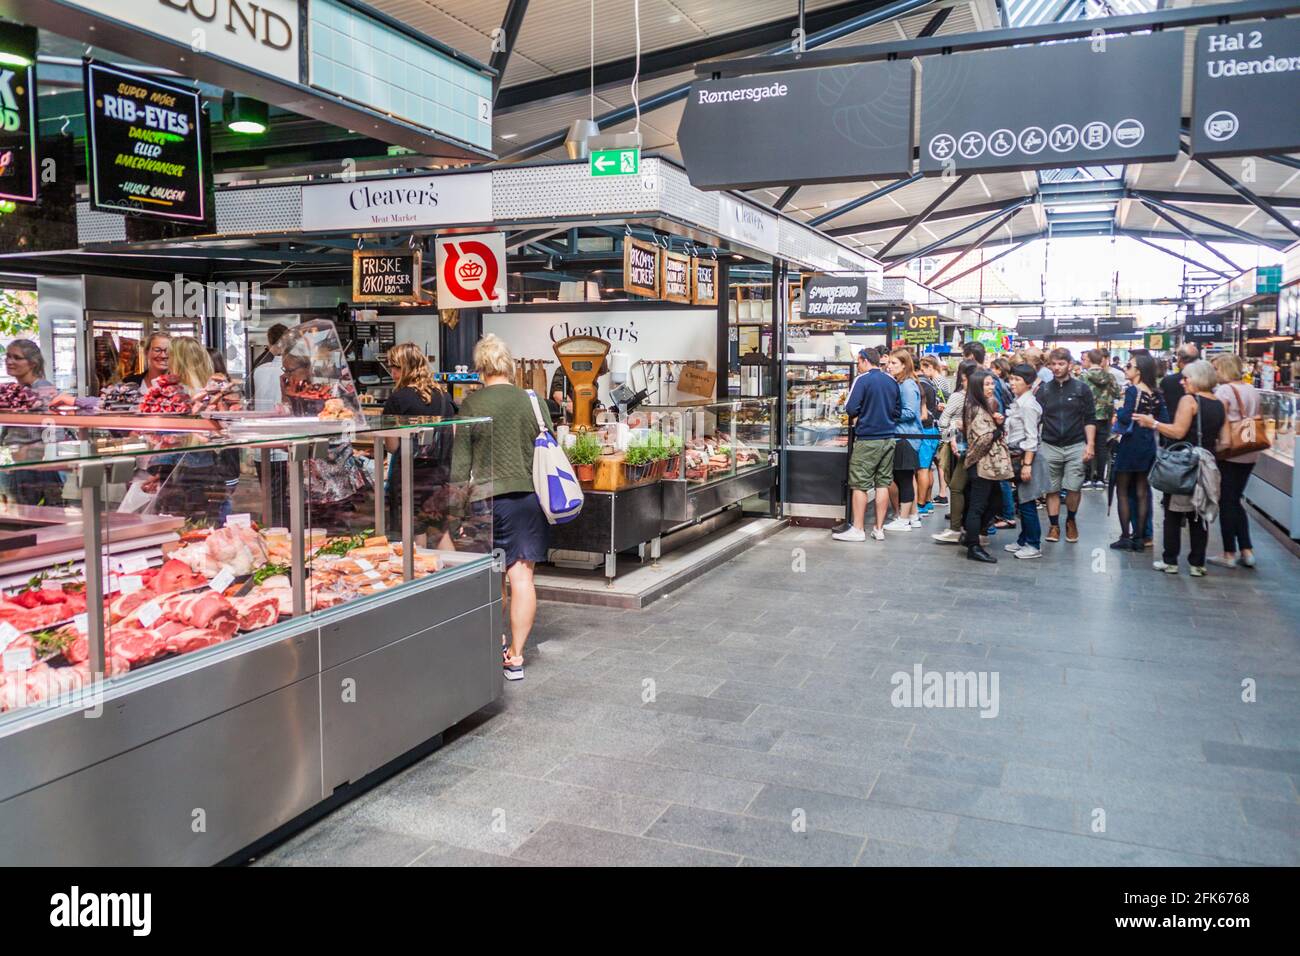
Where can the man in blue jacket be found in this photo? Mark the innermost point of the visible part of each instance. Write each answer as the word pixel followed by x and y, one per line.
pixel 874 406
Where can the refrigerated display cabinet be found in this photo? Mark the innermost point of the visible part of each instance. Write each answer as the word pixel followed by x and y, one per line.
pixel 238 673
pixel 1274 486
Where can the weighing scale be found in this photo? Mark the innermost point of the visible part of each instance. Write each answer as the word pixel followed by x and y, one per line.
pixel 582 358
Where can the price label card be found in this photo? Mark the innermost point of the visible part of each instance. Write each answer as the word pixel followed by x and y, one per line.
pixel 223 580
pixel 129 585
pixel 374 575
pixel 19 660
pixel 239 521
pixel 149 613
pixel 82 623
pixel 379 586
pixel 8 634
pixel 131 564
pixel 363 564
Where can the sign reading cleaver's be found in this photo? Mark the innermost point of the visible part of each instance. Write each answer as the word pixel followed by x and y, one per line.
pixel 1090 102
pixel 837 124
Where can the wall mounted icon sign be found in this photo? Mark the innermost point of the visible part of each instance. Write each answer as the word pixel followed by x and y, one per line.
pixel 471 271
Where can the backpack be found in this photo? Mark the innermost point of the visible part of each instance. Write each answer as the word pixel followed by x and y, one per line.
pixel 556 485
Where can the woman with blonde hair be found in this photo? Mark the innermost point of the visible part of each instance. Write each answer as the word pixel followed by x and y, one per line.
pixel 906 450
pixel 498 470
pixel 1242 403
pixel 189 363
pixel 157 352
pixel 415 393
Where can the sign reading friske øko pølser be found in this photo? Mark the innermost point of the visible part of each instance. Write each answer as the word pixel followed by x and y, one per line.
pixel 386 275
pixel 837 124
pixel 1246 89
pixel 145 146
pixel 1090 102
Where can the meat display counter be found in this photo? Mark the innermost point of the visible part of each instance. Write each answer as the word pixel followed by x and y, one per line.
pixel 1274 486
pixel 238 674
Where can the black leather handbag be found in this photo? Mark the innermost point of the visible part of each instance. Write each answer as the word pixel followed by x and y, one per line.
pixel 1177 467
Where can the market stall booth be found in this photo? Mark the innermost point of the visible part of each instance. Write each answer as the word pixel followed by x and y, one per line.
pixel 241 674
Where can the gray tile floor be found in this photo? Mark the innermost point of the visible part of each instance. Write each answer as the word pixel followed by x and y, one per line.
pixel 747 719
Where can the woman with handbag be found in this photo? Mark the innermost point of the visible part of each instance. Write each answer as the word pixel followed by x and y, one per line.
pixel 1200 419
pixel 952 455
pixel 1137 450
pixel 1246 430
pixel 988 462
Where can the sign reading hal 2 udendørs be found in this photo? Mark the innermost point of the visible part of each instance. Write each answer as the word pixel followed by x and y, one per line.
pixel 1085 103
pixel 616 162
pixel 145 147
pixel 1246 89
pixel 17 113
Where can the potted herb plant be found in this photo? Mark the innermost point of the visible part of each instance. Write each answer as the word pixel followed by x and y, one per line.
pixel 636 461
pixel 583 455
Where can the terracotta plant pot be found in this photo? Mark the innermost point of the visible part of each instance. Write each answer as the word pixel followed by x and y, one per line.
pixel 585 472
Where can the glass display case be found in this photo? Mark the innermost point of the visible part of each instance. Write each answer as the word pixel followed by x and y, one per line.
pixel 815 395
pixel 1274 486
pixel 712 441
pixel 1279 412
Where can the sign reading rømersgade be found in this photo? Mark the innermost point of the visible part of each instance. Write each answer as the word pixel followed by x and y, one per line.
pixel 17 113
pixel 400 203
pixel 837 124
pixel 1246 89
pixel 1086 103
pixel 145 147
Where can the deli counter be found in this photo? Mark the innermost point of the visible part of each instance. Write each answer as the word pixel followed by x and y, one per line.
pixel 183 674
pixel 1274 486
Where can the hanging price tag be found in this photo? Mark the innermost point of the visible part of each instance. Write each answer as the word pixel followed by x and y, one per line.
pixel 374 575
pixel 223 580
pixel 19 660
pixel 131 564
pixel 149 613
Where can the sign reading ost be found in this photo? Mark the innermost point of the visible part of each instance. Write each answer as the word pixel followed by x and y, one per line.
pixel 641 267
pixel 146 149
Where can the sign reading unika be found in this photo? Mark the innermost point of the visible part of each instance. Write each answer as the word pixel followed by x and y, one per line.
pixel 1083 103
pixel 385 275
pixel 145 146
pixel 1244 77
pixel 17 113
pixel 471 270
pixel 641 267
pixel 675 277
pixel 704 281
pixel 1204 328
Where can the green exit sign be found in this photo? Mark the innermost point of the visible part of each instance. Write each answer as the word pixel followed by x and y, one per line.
pixel 615 162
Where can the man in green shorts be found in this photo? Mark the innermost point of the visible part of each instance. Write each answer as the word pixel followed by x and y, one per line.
pixel 874 406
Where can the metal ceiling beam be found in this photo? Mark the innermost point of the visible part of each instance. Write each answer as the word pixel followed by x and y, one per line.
pixel 994 39
pixel 1192 237
pixel 667 97
pixel 862 200
pixel 1283 161
pixel 1020 244
pixel 785 197
pixel 674 59
pixel 935 23
pixel 1176 255
pixel 1242 191
pixel 510 26
pixel 942 215
pixel 1212 223
pixel 974 245
pixel 1214 199
pixel 938 243
pixel 924 214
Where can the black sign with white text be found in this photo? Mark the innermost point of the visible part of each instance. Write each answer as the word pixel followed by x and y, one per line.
pixel 382 275
pixel 835 297
pixel 1246 89
pixel 1076 327
pixel 1035 328
pixel 1109 326
pixel 1203 328
pixel 641 268
pixel 837 124
pixel 17 113
pixel 146 152
pixel 1089 102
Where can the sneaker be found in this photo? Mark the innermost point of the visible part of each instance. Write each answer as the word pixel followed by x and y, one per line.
pixel 1220 562
pixel 915 521
pixel 1123 544
pixel 853 534
pixel 1167 568
pixel 512 666
pixel 947 537
pixel 877 534
pixel 926 509
pixel 1028 552
pixel 899 524
pixel 941 499
pixel 1071 531
pixel 1054 533
pixel 1198 572
pixel 1247 560
pixel 842 526
pixel 1013 548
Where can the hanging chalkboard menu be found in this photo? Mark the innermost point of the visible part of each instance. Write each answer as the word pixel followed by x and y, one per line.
pixel 146 152
pixel 704 281
pixel 17 113
pixel 675 277
pixel 386 275
pixel 640 267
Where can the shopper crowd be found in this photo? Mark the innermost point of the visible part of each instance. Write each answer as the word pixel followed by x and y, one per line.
pixel 1034 430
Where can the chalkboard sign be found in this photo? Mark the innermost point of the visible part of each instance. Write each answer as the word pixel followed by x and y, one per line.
pixel 145 146
pixel 704 281
pixel 922 328
pixel 386 275
pixel 675 277
pixel 17 113
pixel 640 267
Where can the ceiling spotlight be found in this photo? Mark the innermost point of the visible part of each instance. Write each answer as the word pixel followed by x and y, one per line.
pixel 737 256
pixel 243 114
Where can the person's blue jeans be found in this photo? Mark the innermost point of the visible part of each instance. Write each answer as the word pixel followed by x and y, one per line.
pixel 1133 509
pixel 1031 529
pixel 1008 501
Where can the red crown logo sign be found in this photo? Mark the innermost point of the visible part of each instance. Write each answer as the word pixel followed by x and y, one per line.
pixel 470 269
